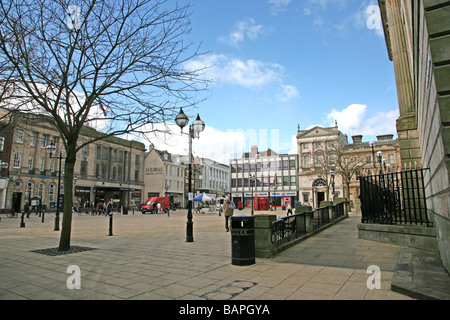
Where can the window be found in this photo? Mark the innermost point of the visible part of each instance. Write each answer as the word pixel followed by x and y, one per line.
pixel 43 140
pixel 136 175
pixel 16 161
pixel 306 161
pixel 99 152
pixel 51 192
pixel 391 158
pixel 53 141
pixel 42 163
pixel 368 159
pixel 293 182
pixel 306 146
pixel 286 181
pixel 120 174
pixel 105 153
pixel 33 139
pixel 120 156
pixel 52 165
pixel 114 173
pixel 306 197
pixel 104 169
pixel 41 189
pixel 83 169
pixel 85 151
pixel 291 164
pixel 2 143
pixel 137 161
pixel 30 163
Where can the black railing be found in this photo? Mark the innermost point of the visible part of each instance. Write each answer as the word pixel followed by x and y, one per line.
pixel 292 227
pixel 394 198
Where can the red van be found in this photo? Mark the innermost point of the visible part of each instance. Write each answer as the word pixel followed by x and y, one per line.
pixel 151 205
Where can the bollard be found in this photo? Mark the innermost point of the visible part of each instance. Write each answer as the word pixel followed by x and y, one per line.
pixel 43 214
pixel 110 224
pixel 22 223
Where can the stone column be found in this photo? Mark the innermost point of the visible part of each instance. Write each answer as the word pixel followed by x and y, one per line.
pixel 407 122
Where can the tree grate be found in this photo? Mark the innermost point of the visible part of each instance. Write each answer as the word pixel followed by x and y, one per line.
pixel 56 252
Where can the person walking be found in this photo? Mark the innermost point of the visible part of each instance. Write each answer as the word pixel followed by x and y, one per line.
pixel 228 212
pixel 289 209
pixel 26 209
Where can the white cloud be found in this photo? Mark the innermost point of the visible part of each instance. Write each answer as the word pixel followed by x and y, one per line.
pixel 369 16
pixel 250 73
pixel 213 144
pixel 289 92
pixel 246 29
pixel 277 6
pixel 352 120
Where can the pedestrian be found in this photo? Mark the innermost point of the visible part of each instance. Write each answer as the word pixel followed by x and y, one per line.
pixel 158 206
pixel 289 209
pixel 228 207
pixel 108 208
pixel 26 208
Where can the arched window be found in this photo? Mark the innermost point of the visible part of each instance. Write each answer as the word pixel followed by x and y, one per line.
pixel 41 190
pixel 320 183
pixel 51 192
pixel 29 191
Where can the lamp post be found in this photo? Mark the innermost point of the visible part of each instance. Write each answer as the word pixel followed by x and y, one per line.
pixel 252 178
pixel 51 149
pixel 333 174
pixel 380 160
pixel 372 145
pixel 194 132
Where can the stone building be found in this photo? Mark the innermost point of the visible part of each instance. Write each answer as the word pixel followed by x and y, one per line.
pixel 329 166
pixel 110 169
pixel 418 44
pixel 164 176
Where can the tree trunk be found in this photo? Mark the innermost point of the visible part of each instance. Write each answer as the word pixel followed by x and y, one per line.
pixel 64 241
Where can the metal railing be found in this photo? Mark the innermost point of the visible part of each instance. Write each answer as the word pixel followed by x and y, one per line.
pixel 292 227
pixel 394 198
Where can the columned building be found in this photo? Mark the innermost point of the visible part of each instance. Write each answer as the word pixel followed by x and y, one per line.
pixel 417 37
pixel 109 170
pixel 329 166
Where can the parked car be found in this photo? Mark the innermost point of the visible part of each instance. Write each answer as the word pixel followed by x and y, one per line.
pixel 151 205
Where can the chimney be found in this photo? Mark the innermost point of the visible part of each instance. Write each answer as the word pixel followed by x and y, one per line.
pixel 254 151
pixel 385 137
pixel 357 139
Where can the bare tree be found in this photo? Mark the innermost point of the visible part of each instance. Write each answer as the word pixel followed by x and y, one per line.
pixel 118 64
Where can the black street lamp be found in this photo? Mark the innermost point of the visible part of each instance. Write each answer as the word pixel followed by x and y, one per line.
pixel 380 160
pixel 333 174
pixel 51 149
pixel 372 145
pixel 252 178
pixel 194 132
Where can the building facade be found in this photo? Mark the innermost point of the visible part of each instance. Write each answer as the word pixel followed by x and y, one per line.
pixel 266 175
pixel 418 44
pixel 164 176
pixel 329 166
pixel 110 169
pixel 214 177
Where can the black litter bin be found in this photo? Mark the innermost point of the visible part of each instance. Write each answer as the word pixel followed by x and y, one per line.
pixel 242 240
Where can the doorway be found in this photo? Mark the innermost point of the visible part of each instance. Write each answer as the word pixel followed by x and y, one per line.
pixel 16 201
pixel 320 198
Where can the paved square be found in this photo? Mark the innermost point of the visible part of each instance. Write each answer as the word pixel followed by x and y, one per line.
pixel 147 258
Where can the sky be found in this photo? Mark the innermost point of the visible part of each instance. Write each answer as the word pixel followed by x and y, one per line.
pixel 279 64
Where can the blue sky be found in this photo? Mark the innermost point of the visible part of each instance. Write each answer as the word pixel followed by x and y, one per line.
pixel 276 64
